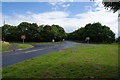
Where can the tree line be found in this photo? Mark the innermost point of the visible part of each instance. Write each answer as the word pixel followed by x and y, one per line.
pixel 111 4
pixel 33 32
pixel 46 32
pixel 97 32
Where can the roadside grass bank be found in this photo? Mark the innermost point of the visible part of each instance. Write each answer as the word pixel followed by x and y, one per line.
pixel 6 47
pixel 38 42
pixel 44 42
pixel 93 43
pixel 100 61
pixel 23 46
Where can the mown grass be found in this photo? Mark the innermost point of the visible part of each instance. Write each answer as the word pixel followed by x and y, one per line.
pixel 5 47
pixel 38 42
pixel 21 45
pixel 44 42
pixel 94 62
pixel 24 46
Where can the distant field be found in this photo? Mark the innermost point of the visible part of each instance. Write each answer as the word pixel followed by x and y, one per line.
pixel 93 61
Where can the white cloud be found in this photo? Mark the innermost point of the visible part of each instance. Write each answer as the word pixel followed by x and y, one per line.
pixel 66 5
pixel 53 3
pixel 98 14
pixel 51 15
pixel 45 0
pixel 58 5
pixel 101 15
pixel 1 19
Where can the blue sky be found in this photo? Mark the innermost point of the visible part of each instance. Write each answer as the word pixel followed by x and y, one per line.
pixel 9 8
pixel 69 15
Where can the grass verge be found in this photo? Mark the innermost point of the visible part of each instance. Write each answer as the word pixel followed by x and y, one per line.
pixel 24 46
pixel 44 42
pixel 39 42
pixel 95 62
pixel 5 47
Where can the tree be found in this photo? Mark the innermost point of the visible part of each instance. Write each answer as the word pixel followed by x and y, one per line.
pixel 53 32
pixel 58 32
pixel 0 33
pixel 95 31
pixel 33 32
pixel 115 6
pixel 9 33
pixel 118 39
pixel 30 30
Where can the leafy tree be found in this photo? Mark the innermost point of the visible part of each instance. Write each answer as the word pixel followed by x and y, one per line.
pixel 33 32
pixel 30 30
pixel 53 32
pixel 58 32
pixel 115 6
pixel 0 33
pixel 118 39
pixel 47 33
pixel 9 33
pixel 95 31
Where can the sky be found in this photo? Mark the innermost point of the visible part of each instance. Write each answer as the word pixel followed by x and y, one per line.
pixel 69 15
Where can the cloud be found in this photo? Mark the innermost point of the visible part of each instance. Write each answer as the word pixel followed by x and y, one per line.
pixel 58 5
pixel 41 18
pixel 95 14
pixel 1 20
pixel 119 23
pixel 50 15
pixel 99 14
pixel 45 0
pixel 66 5
pixel 53 3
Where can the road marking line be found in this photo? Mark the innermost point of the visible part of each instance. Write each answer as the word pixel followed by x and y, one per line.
pixel 24 52
pixel 33 50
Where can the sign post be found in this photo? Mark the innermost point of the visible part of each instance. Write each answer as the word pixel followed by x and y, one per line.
pixel 23 41
pixel 63 39
pixel 53 40
pixel 23 37
pixel 87 39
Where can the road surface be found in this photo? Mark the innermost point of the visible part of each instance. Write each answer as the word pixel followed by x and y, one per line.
pixel 9 58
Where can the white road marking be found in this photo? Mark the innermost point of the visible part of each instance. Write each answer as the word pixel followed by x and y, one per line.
pixel 25 52
pixel 33 50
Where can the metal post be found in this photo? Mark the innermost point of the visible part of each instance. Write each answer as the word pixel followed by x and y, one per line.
pixel 23 41
pixel 88 41
pixel 4 22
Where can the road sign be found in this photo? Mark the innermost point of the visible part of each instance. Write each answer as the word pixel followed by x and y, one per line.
pixel 53 40
pixel 23 37
pixel 87 39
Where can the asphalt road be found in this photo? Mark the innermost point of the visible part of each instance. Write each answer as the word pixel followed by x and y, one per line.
pixel 9 58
